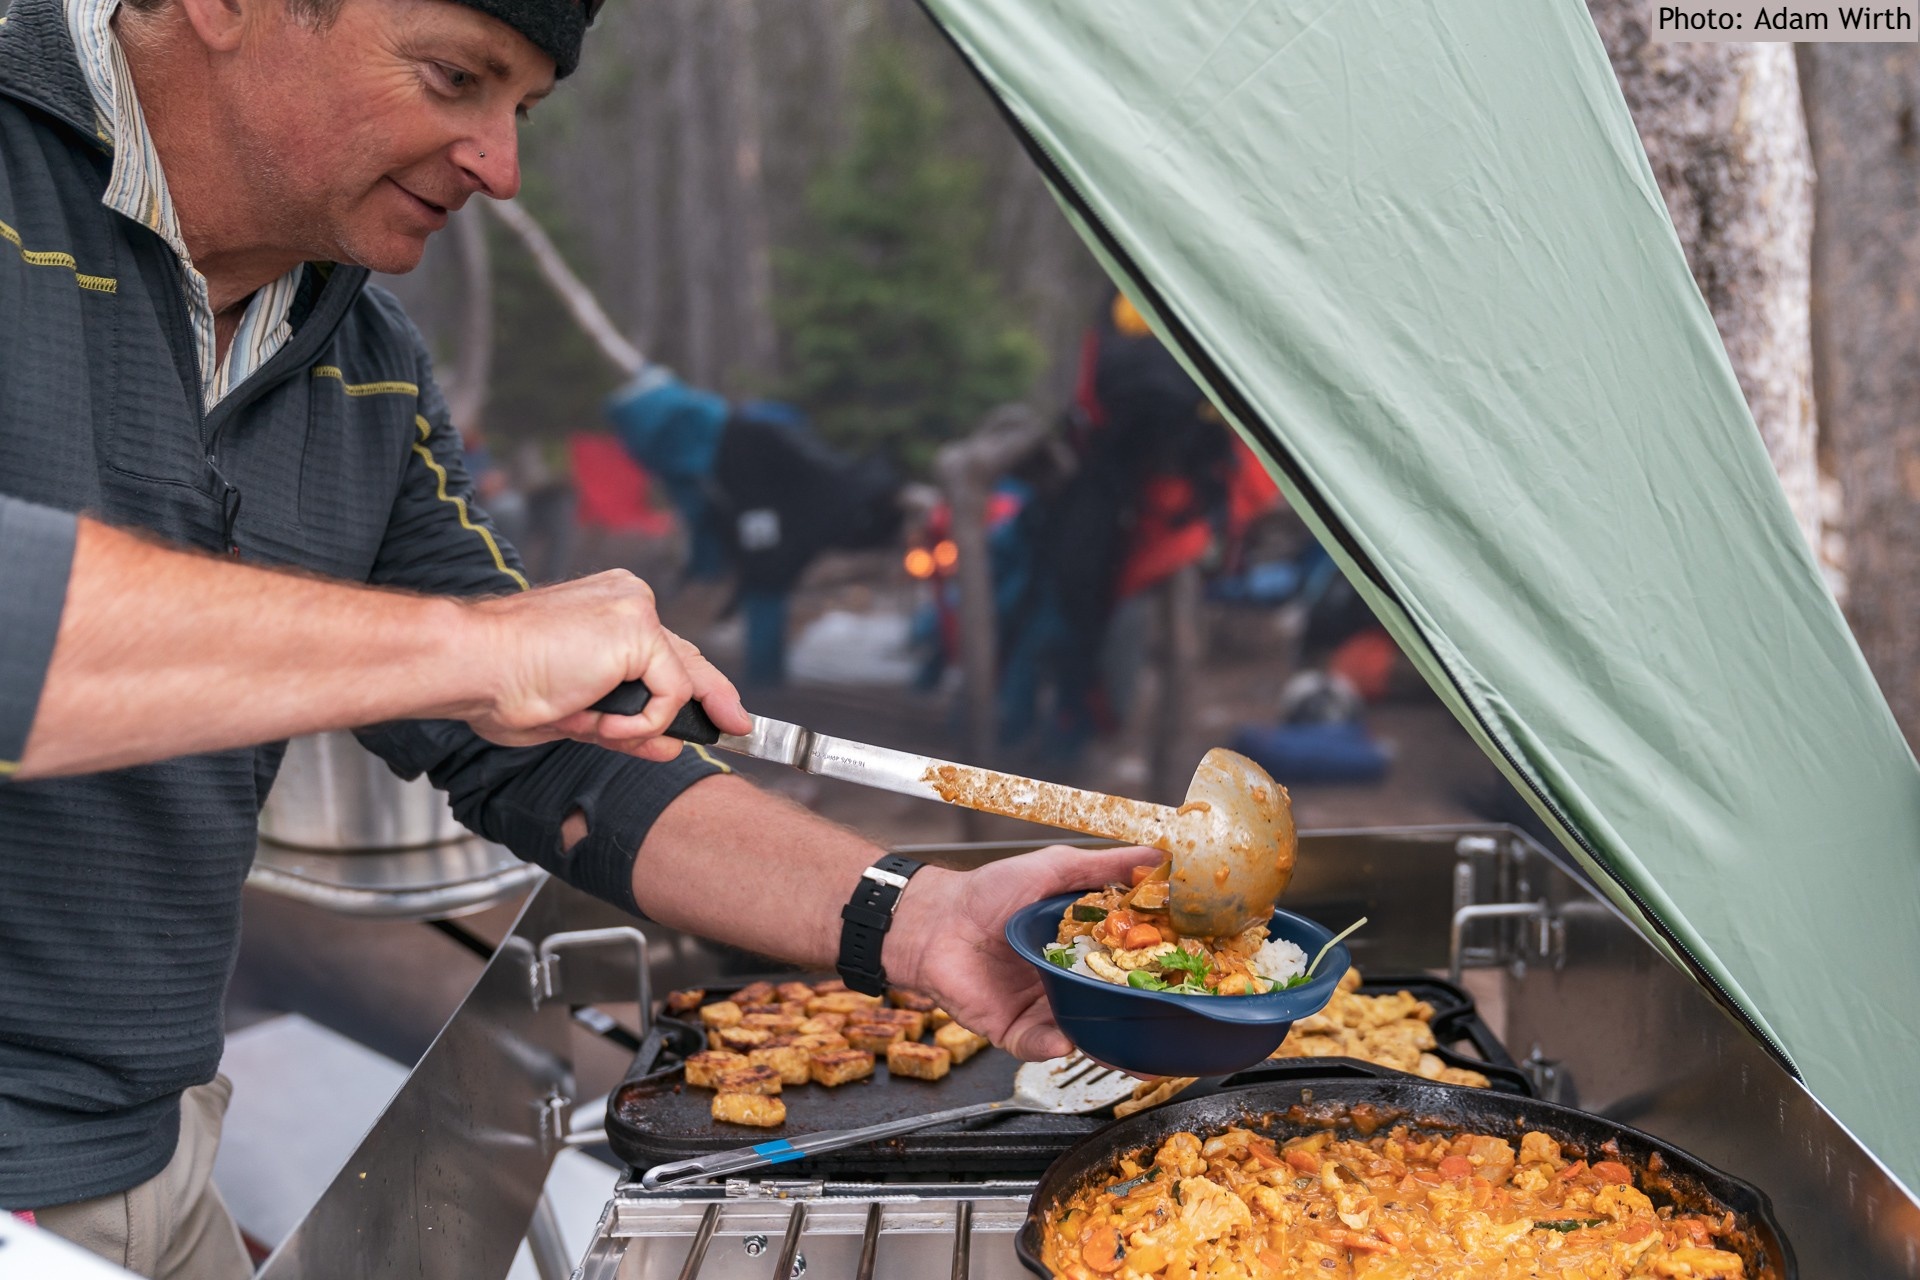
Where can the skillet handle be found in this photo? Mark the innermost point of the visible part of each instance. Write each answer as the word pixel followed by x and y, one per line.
pixel 779 1151
pixel 692 724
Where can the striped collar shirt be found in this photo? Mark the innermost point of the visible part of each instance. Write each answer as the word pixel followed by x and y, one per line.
pixel 137 188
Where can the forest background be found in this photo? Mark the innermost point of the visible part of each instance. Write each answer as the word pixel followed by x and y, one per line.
pixel 811 200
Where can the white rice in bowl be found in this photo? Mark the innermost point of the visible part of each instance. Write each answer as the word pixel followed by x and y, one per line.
pixel 1278 960
pixel 1081 946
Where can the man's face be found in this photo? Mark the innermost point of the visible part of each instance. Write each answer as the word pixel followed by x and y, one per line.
pixel 358 138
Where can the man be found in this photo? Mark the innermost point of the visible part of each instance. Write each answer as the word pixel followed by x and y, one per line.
pixel 191 195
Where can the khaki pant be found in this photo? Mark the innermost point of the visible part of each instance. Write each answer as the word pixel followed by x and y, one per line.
pixel 174 1226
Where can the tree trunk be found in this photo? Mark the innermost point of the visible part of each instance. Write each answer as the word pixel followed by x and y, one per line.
pixel 1861 103
pixel 697 240
pixel 751 248
pixel 467 401
pixel 1723 129
pixel 576 296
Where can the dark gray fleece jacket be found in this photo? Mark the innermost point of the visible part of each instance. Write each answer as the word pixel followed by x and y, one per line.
pixel 120 892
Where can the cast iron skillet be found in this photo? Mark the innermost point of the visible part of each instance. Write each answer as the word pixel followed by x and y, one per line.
pixel 1282 1111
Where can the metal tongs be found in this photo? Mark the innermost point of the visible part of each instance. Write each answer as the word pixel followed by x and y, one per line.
pixel 1232 842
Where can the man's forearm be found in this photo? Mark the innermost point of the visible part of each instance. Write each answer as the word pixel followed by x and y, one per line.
pixel 149 632
pixel 727 860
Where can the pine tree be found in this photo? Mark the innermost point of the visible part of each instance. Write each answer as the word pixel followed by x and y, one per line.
pixel 897 334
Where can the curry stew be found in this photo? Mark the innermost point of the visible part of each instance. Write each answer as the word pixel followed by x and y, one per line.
pixel 1404 1204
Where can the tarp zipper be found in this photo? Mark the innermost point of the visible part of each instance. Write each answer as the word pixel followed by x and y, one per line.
pixel 1222 387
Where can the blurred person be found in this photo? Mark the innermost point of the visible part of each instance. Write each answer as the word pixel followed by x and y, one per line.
pixel 1161 484
pixel 194 193
pixel 760 494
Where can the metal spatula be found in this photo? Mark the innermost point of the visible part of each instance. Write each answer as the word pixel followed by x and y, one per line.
pixel 1062 1086
pixel 1232 842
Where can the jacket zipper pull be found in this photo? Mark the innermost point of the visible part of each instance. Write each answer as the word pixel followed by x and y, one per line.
pixel 229 508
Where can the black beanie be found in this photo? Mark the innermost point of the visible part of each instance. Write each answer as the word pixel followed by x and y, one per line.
pixel 555 27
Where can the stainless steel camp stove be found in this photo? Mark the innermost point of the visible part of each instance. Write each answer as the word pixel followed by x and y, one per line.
pixel 751 1231
pixel 449 1179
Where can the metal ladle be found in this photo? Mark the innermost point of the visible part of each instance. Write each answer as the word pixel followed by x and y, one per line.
pixel 1232 842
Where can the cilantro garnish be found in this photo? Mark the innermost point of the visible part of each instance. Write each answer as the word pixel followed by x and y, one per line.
pixel 1183 961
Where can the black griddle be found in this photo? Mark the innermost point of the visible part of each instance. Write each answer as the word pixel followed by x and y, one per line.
pixel 654 1117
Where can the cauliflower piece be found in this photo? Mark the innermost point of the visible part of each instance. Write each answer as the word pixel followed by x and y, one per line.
pixel 1139 959
pixel 1209 1211
pixel 1536 1146
pixel 1620 1202
pixel 1180 1155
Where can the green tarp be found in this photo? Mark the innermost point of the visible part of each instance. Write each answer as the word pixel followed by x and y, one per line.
pixel 1414 250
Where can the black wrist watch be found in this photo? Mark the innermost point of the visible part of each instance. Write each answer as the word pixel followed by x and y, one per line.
pixel 865 920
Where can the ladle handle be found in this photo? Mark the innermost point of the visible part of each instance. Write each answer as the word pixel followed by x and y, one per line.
pixel 690 724
pixel 1052 804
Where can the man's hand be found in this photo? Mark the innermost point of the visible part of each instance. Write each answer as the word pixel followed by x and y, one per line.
pixel 948 939
pixel 559 649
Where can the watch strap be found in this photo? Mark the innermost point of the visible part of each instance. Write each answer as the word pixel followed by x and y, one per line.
pixel 865 919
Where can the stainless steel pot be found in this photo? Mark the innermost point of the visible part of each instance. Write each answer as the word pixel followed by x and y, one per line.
pixel 334 794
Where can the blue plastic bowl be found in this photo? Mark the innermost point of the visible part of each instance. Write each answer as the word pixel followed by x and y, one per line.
pixel 1155 1033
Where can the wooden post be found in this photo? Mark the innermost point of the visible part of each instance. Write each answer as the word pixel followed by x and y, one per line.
pixel 1181 643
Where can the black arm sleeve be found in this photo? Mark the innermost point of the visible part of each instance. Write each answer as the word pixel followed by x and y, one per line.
pixel 437 541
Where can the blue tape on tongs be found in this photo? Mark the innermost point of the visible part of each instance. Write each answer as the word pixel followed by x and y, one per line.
pixel 778 1151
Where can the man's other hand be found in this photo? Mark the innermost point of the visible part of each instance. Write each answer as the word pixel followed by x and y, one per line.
pixel 948 939
pixel 555 651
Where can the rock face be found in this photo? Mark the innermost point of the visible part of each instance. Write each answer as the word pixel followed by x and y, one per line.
pixel 1723 128
pixel 1860 104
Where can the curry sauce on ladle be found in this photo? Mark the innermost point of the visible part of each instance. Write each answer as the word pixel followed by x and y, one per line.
pixel 1231 843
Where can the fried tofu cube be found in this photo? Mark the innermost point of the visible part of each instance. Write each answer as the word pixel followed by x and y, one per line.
pixel 837 1066
pixel 754 993
pixel 959 1042
pixel 874 1037
pixel 685 1001
pixel 904 998
pixel 751 1078
pixel 704 1069
pixel 741 1039
pixel 915 1023
pixel 938 1018
pixel 792 1063
pixel 756 1109
pixel 828 986
pixel 795 992
pixel 823 1024
pixel 764 1007
pixel 778 1023
pixel 842 1002
pixel 721 1013
pixel 820 1043
pixel 921 1061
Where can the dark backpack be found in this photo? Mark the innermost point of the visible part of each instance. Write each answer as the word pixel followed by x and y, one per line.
pixel 782 496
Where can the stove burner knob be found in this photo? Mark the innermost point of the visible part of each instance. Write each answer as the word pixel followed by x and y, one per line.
pixel 755 1246
pixel 799 1266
